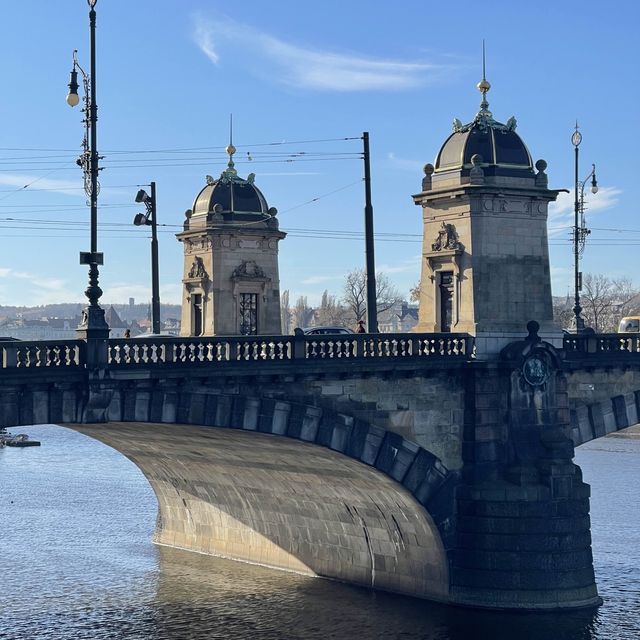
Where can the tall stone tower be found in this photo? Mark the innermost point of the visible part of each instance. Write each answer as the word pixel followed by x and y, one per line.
pixel 231 284
pixel 485 256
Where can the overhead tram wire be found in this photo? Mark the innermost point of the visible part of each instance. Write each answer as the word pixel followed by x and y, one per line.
pixel 259 144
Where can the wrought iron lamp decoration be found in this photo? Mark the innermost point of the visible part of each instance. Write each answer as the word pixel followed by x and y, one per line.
pixel 580 231
pixel 93 316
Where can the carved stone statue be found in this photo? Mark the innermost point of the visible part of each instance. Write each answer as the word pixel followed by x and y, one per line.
pixel 447 239
pixel 197 269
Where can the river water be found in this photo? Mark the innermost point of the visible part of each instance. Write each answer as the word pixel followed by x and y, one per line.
pixel 76 521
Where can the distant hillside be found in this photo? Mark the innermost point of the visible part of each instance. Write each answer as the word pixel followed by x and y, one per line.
pixel 72 309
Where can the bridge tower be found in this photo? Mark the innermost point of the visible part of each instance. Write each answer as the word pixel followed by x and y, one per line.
pixel 485 258
pixel 231 284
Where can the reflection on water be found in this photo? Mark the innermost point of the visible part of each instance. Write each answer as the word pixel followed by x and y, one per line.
pixel 77 562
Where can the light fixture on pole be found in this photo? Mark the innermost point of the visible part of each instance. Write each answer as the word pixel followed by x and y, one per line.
pixel 149 218
pixel 93 324
pixel 580 231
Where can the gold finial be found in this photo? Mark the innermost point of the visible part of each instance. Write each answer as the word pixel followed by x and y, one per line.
pixel 230 149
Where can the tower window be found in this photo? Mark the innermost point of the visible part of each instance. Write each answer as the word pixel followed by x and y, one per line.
pixel 196 301
pixel 248 314
pixel 446 300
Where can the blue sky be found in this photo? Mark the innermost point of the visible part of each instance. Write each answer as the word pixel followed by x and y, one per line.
pixel 170 72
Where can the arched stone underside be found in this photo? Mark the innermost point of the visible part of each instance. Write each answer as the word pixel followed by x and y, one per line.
pixel 283 503
pixel 591 421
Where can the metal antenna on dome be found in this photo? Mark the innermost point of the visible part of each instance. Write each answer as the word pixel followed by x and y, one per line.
pixel 484 72
pixel 484 86
pixel 230 148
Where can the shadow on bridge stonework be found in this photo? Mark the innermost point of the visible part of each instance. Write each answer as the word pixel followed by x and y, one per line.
pixel 289 504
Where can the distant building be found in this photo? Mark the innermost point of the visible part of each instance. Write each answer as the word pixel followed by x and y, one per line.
pixel 43 329
pixel 116 325
pixel 401 318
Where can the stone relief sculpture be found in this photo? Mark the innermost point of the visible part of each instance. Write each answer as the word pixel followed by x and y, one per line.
pixel 197 269
pixel 447 239
pixel 248 269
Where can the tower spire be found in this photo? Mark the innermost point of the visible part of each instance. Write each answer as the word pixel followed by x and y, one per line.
pixel 484 86
pixel 230 149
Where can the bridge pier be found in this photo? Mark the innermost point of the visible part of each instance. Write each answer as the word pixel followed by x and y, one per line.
pixel 523 530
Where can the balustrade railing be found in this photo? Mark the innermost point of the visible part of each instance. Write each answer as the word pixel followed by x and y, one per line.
pixel 601 343
pixel 143 352
pixel 388 345
pixel 54 354
pixel 204 350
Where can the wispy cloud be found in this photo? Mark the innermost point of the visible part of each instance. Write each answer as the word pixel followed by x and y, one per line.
pixel 561 212
pixel 41 288
pixel 408 265
pixel 304 67
pixel 21 181
pixel 415 166
pixel 204 36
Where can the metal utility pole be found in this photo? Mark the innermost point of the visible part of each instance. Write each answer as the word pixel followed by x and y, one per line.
pixel 150 218
pixel 372 307
pixel 576 139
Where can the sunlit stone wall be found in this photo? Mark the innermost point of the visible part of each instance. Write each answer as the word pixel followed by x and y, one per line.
pixel 283 503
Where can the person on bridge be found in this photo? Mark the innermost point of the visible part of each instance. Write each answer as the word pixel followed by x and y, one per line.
pixel 360 328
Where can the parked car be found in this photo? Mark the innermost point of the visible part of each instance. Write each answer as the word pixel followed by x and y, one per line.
pixel 629 324
pixel 315 331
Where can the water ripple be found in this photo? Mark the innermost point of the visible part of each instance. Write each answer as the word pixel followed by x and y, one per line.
pixel 77 563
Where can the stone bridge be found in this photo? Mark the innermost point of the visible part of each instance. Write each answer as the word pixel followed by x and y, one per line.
pixel 402 462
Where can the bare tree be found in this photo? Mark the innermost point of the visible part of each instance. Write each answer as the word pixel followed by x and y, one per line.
pixel 563 312
pixel 605 301
pixel 331 312
pixel 355 294
pixel 302 313
pixel 414 293
pixel 598 300
pixel 627 297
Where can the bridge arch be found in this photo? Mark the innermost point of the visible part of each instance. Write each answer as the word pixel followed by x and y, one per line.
pixel 285 503
pixel 590 421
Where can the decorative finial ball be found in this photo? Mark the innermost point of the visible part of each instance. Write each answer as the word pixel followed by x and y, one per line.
pixel 476 159
pixel 230 149
pixel 541 165
pixel 483 85
pixel 428 169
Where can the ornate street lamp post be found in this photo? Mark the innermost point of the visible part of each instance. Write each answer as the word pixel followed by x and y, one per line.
pixel 580 231
pixel 149 218
pixel 93 324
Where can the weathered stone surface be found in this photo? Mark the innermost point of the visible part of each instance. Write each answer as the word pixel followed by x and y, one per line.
pixel 284 503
